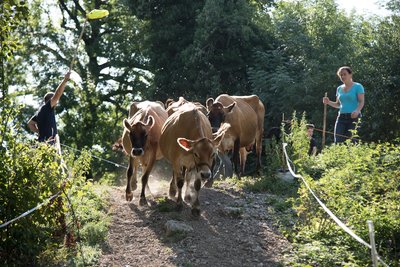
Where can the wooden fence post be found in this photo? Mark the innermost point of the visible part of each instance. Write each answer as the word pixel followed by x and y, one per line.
pixel 374 254
pixel 324 125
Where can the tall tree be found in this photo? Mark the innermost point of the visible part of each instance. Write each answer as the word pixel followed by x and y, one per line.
pixel 12 14
pixel 382 76
pixel 110 66
pixel 170 30
pixel 314 39
pixel 226 39
pixel 201 48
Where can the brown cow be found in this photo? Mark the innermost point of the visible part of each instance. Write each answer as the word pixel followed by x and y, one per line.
pixel 245 114
pixel 140 141
pixel 186 142
pixel 171 106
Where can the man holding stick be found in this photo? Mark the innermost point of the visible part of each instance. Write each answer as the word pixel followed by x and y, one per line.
pixel 44 120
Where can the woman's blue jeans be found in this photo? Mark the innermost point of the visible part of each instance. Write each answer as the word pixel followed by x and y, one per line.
pixel 344 123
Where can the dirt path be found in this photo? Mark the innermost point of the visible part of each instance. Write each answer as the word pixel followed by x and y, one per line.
pixel 234 229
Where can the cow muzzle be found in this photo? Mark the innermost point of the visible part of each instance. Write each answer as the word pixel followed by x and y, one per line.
pixel 136 152
pixel 205 174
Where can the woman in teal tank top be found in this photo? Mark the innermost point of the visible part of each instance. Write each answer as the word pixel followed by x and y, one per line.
pixel 349 101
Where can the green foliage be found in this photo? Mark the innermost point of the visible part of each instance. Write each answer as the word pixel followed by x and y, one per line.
pixel 32 173
pixel 358 182
pixel 12 13
pixel 110 70
pixel 382 80
pixel 199 49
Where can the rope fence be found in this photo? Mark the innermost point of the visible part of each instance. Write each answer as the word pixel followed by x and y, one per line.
pixel 63 168
pixel 329 212
pixel 345 136
pixel 26 213
pixel 105 160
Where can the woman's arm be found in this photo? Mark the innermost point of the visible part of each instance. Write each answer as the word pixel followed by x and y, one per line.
pixel 335 104
pixel 360 105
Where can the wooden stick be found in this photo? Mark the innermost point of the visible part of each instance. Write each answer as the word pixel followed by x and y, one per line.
pixel 324 124
pixel 77 45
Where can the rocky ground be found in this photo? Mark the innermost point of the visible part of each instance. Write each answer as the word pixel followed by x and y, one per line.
pixel 235 229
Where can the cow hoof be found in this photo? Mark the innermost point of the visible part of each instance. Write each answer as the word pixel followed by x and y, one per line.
pixel 196 212
pixel 129 196
pixel 143 202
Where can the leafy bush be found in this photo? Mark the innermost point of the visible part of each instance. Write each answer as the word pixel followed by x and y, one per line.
pixel 357 182
pixel 32 172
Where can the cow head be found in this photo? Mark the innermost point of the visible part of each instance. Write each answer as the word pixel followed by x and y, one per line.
pixel 138 133
pixel 203 151
pixel 217 112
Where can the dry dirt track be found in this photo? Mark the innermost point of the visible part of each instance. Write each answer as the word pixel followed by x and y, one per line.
pixel 137 236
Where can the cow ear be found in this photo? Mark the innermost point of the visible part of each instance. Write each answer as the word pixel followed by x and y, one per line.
pixel 230 107
pixel 126 124
pixel 168 102
pixel 209 103
pixel 184 143
pixel 150 121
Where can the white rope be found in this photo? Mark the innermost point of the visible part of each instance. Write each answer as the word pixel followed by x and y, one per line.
pixel 63 167
pixel 333 216
pixel 105 160
pixel 26 213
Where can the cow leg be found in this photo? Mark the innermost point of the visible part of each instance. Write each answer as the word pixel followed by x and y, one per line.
pixel 236 158
pixel 145 178
pixel 259 152
pixel 129 174
pixel 135 171
pixel 243 157
pixel 196 203
pixel 179 182
pixel 172 186
pixel 188 190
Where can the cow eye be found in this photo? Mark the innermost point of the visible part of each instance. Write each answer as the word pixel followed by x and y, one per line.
pixel 196 155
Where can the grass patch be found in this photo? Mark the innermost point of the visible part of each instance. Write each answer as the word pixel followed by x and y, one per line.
pixel 164 204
